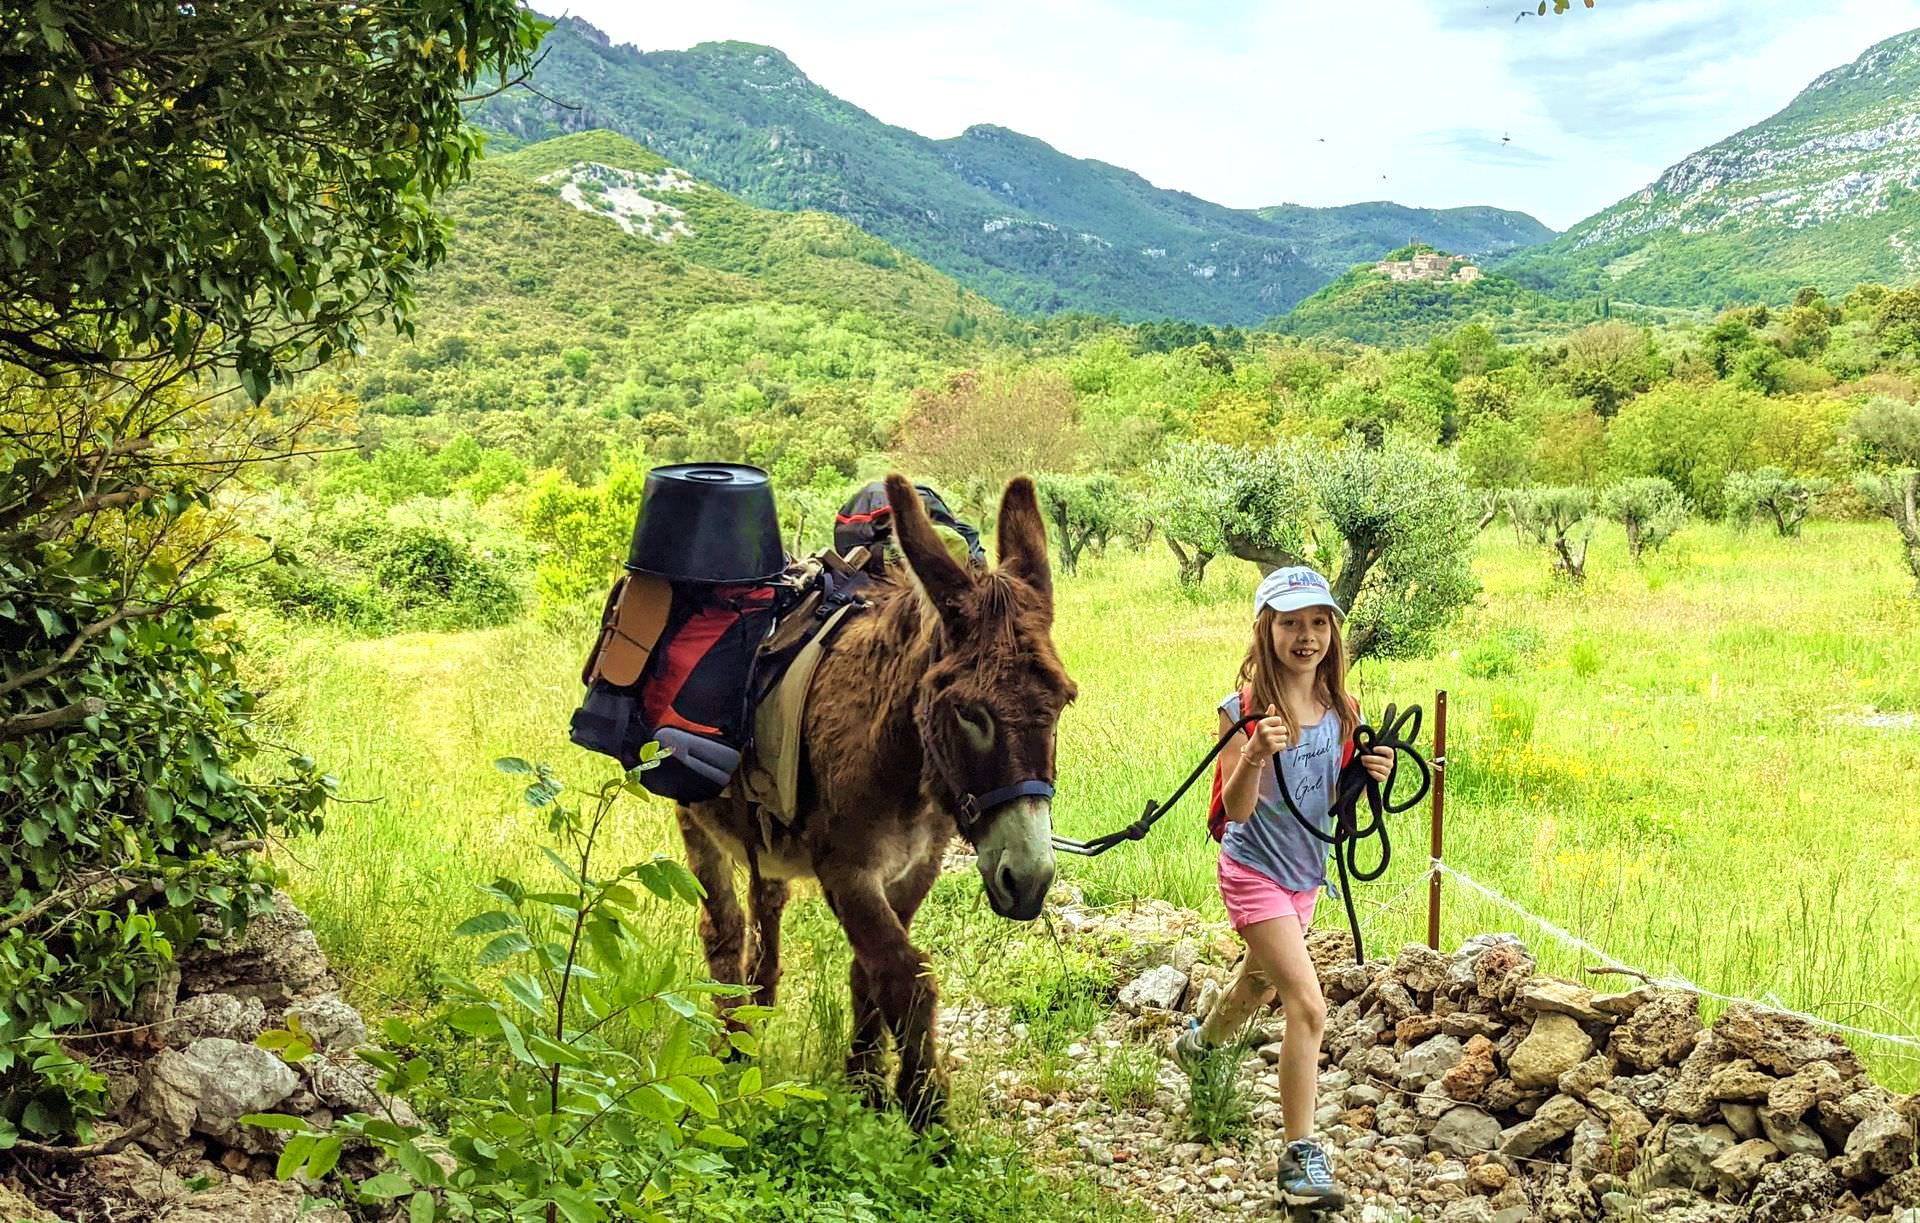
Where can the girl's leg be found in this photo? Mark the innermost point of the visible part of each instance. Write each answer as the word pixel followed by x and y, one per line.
pixel 1279 952
pixel 1236 1006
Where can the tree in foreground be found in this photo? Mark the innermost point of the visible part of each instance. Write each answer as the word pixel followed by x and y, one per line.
pixel 1650 508
pixel 1391 525
pixel 200 195
pixel 1190 486
pixel 1559 518
pixel 1888 433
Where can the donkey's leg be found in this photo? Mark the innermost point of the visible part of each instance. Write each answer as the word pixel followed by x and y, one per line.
pixel 869 1039
pixel 923 1076
pixel 722 927
pixel 869 1025
pixel 901 984
pixel 766 905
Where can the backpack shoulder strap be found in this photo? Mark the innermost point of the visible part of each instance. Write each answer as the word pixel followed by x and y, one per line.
pixel 1216 805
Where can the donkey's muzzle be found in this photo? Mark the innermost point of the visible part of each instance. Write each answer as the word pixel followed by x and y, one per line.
pixel 1016 858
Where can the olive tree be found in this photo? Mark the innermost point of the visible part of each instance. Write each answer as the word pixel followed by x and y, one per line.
pixel 1560 518
pixel 199 195
pixel 1391 525
pixel 1189 489
pixel 1650 508
pixel 1085 511
pixel 1888 432
pixel 1786 499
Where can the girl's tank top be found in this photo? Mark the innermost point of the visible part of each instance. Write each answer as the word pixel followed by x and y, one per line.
pixel 1270 841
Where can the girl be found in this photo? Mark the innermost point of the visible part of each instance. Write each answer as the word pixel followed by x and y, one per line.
pixel 1272 870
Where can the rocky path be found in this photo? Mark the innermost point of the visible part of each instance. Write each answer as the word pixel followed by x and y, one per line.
pixel 1467 1088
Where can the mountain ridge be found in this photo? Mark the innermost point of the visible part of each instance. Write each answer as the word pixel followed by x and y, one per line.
pixel 1013 218
pixel 1824 192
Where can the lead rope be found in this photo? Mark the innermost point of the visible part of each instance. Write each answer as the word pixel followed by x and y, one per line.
pixel 1355 781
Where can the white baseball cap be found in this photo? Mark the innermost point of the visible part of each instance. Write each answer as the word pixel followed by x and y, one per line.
pixel 1293 588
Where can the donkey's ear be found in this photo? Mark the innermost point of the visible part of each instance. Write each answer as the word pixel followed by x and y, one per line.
pixel 1023 537
pixel 943 578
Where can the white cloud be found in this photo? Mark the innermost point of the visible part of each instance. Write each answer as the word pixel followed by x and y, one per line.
pixel 1316 103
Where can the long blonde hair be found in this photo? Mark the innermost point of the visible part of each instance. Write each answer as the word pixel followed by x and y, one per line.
pixel 1260 674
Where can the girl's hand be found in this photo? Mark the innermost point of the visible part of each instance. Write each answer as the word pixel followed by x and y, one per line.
pixel 1378 762
pixel 1271 734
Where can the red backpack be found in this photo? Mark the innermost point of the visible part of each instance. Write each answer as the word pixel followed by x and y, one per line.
pixel 1216 809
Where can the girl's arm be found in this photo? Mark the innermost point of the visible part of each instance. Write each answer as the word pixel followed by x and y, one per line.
pixel 1247 757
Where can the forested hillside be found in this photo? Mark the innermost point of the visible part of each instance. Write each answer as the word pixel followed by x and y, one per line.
pixel 586 275
pixel 1825 193
pixel 1009 216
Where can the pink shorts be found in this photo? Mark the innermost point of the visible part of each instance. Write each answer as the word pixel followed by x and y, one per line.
pixel 1252 897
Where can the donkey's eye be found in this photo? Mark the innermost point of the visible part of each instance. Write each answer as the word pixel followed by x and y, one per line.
pixel 977 725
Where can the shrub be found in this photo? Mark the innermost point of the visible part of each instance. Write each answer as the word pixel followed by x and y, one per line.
pixel 133 788
pixel 566 1117
pixel 1650 508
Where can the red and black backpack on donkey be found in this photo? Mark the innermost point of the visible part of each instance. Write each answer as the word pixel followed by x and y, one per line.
pixel 712 615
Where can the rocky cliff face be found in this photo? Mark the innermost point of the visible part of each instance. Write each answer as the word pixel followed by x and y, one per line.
pixel 1826 192
pixel 1848 146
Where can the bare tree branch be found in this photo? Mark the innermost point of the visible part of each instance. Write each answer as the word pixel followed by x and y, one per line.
pixel 111 1146
pixel 67 715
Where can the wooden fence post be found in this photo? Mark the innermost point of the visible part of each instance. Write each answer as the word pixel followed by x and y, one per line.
pixel 1439 817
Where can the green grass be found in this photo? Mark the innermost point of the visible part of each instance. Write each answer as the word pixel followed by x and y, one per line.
pixel 1659 761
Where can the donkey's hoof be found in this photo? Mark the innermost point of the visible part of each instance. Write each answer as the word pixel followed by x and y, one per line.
pixel 867 1084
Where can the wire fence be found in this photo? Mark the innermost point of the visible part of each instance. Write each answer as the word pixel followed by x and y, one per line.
pixel 1567 937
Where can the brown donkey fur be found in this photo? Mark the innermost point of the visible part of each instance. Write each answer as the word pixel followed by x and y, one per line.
pixel 948 686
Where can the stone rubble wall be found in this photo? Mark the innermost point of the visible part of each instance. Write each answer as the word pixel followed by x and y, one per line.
pixel 193 1162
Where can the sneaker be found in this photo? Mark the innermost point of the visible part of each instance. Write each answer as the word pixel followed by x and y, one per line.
pixel 1306 1178
pixel 1189 1051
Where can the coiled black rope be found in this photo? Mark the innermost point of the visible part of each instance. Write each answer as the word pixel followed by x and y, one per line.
pixel 1354 783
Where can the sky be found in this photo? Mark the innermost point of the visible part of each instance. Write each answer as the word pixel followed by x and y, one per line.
pixel 1433 103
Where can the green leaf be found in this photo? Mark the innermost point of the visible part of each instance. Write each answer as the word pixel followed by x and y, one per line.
pixel 484 923
pixel 505 947
pixel 714 1136
pixel 515 1041
pixel 294 1154
pixel 277 1121
pixel 527 992
pixel 576 1207
pixel 385 1186
pixel 512 764
pixel 475 1019
pixel 420 1208
pixel 326 1154
pixel 422 1169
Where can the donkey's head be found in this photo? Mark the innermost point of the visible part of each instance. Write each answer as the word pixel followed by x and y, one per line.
pixel 987 708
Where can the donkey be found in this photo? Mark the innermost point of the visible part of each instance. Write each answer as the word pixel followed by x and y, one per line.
pixel 933 713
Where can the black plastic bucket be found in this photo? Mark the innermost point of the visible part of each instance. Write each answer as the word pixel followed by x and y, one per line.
pixel 707 522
